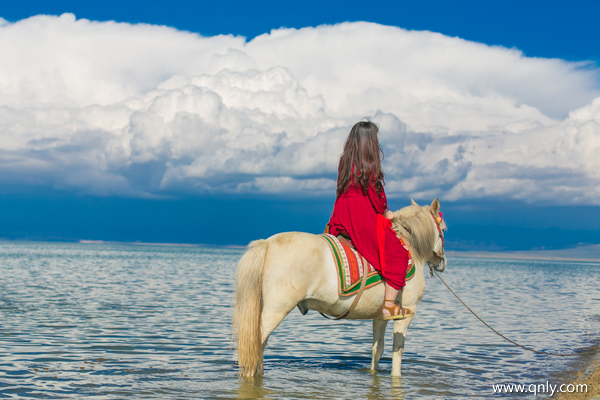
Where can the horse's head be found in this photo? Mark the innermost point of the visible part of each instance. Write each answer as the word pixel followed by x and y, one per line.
pixel 423 228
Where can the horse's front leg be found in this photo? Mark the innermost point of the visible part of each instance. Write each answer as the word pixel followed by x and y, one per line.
pixel 400 328
pixel 379 326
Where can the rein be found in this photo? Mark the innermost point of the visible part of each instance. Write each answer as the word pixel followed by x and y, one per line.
pixel 431 271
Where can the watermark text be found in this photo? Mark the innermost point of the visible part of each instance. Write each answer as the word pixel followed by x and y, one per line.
pixel 543 388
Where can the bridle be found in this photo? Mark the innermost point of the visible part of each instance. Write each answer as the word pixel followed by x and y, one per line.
pixel 438 221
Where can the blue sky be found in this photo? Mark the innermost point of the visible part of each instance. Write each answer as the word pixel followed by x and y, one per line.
pixel 136 132
pixel 549 29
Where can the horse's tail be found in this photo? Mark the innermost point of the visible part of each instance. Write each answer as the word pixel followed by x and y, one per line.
pixel 248 309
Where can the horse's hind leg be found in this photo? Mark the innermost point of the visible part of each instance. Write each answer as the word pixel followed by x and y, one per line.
pixel 270 321
pixel 277 305
pixel 379 326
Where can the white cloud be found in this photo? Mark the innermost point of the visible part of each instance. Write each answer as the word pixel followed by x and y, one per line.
pixel 139 110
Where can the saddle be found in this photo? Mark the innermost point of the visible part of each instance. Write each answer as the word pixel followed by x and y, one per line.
pixel 348 260
pixel 355 273
pixel 353 270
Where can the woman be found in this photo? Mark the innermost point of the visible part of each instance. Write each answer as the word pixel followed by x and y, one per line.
pixel 360 212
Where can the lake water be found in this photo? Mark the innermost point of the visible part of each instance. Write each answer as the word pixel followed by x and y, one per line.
pixel 150 322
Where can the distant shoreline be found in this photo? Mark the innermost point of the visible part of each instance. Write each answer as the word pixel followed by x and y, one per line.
pixel 519 256
pixel 580 254
pixel 102 242
pixel 227 246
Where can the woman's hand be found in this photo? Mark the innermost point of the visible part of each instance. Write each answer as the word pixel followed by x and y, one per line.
pixel 389 215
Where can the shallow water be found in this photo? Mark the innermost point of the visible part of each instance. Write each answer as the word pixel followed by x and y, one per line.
pixel 116 321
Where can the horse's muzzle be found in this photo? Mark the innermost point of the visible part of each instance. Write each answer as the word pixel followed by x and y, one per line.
pixel 441 265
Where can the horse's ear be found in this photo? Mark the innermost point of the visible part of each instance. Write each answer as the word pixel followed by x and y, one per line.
pixel 435 206
pixel 413 203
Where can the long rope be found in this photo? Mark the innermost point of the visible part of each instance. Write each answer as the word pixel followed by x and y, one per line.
pixel 504 337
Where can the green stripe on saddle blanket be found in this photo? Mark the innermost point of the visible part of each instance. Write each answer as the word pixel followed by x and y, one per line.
pixel 350 263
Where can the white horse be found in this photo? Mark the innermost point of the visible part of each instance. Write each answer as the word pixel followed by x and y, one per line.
pixel 297 269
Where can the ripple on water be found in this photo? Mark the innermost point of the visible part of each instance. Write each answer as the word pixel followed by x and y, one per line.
pixel 115 321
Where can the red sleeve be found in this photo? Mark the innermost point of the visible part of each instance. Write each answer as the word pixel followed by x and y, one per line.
pixel 379 201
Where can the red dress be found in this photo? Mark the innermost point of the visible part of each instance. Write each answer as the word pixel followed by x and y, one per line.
pixel 356 214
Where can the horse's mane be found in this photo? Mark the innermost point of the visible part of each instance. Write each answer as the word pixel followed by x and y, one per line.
pixel 414 224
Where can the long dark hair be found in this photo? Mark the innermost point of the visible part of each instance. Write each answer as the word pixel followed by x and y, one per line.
pixel 360 163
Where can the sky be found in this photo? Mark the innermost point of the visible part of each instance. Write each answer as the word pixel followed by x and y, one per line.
pixel 193 122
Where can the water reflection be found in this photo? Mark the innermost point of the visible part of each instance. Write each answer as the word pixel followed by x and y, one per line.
pixel 251 388
pixel 396 388
pixel 383 387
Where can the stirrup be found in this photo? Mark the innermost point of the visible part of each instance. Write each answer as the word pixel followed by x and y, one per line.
pixel 396 312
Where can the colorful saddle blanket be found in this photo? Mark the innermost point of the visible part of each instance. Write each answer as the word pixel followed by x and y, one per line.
pixel 350 263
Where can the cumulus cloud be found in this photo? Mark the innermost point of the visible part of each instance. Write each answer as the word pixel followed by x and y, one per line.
pixel 138 110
